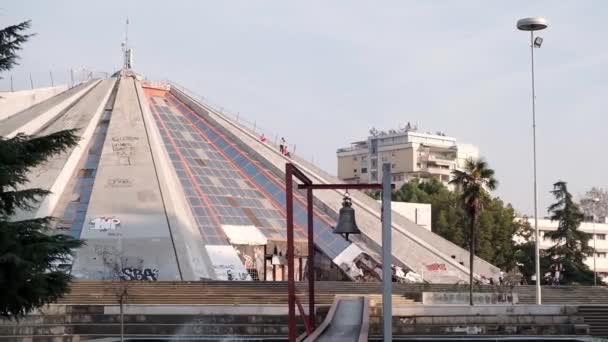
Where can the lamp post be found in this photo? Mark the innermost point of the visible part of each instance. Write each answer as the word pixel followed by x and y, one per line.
pixel 534 24
pixel 595 200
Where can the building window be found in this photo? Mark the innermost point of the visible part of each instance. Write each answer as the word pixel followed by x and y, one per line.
pixel 355 170
pixel 354 157
pixel 601 254
pixel 364 158
pixel 384 159
pixel 393 166
pixel 600 236
pixel 363 170
pixel 392 154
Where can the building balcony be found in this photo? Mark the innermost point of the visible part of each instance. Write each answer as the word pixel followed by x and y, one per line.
pixel 433 170
pixel 437 159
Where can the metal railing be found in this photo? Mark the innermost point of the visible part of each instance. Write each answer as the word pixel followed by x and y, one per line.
pixel 11 82
pixel 253 127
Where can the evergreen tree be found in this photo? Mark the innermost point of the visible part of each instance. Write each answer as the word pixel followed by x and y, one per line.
pixel 496 227
pixel 571 244
pixel 11 40
pixel 29 252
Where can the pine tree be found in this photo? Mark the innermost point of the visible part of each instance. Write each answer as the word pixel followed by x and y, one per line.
pixel 571 244
pixel 11 40
pixel 29 252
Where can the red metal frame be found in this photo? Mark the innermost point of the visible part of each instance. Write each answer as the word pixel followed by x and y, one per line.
pixel 307 324
pixel 292 171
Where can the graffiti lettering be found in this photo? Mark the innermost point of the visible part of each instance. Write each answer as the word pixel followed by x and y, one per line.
pixel 129 273
pixel 102 249
pixel 119 183
pixel 123 146
pixel 125 138
pixel 242 276
pixel 104 223
pixel 436 267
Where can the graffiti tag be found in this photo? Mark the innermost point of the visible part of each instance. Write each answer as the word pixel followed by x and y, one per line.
pixel 119 183
pixel 436 267
pixel 237 275
pixel 129 273
pixel 124 146
pixel 104 223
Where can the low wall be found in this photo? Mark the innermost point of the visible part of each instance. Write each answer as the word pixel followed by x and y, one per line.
pixel 270 321
pixel 14 102
pixel 462 298
pixel 86 322
pixel 485 320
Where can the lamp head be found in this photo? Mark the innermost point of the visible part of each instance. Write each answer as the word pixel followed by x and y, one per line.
pixel 538 41
pixel 532 24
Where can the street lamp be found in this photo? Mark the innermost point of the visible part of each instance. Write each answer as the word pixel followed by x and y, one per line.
pixel 594 201
pixel 534 24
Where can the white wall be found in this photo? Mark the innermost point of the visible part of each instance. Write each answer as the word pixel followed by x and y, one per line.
pixel 419 213
pixel 14 102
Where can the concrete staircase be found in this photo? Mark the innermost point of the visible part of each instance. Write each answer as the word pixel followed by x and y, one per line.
pixel 220 293
pixel 258 310
pixel 596 316
pixel 189 309
pixel 564 295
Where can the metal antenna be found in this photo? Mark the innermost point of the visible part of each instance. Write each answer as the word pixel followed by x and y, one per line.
pixel 125 46
pixel 127 34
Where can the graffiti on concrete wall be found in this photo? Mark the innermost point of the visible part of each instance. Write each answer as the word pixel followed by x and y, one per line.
pixel 105 223
pixel 124 146
pixel 436 267
pixel 226 263
pixel 131 273
pixel 119 183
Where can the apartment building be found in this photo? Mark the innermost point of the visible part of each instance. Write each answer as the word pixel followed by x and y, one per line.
pixel 412 154
pixel 599 239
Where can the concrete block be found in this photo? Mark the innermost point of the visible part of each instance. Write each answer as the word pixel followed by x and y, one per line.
pixel 479 298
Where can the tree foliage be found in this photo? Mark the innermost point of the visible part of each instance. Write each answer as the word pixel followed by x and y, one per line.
pixel 30 254
pixel 496 227
pixel 473 183
pixel 595 203
pixel 571 244
pixel 11 40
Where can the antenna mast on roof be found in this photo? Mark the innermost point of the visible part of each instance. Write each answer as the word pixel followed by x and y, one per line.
pixel 127 34
pixel 127 51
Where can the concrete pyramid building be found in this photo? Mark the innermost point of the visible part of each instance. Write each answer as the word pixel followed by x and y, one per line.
pixel 164 187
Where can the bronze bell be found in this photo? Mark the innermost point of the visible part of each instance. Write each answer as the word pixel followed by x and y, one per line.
pixel 346 220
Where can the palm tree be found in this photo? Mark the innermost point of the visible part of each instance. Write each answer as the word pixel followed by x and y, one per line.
pixel 473 182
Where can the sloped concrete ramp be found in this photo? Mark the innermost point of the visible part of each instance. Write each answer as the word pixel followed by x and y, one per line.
pixel 347 321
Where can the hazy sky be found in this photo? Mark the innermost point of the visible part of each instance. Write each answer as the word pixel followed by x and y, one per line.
pixel 321 73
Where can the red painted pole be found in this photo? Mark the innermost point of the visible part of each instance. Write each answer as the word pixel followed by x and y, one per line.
pixel 291 285
pixel 311 263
